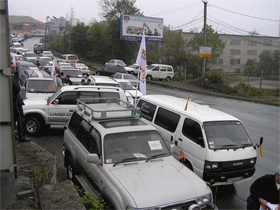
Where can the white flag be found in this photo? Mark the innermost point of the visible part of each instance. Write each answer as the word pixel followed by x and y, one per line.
pixel 53 74
pixel 142 62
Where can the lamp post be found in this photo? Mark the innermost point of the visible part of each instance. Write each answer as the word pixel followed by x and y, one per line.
pixel 46 28
pixel 205 14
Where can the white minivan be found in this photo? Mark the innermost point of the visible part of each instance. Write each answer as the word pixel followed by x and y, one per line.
pixel 215 145
pixel 160 71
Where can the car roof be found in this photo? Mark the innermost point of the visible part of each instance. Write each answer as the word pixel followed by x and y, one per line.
pixel 89 88
pixel 202 113
pixel 103 79
pixel 26 63
pixel 39 74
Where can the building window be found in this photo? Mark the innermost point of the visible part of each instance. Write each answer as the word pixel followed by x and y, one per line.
pixel 251 43
pixel 231 61
pixel 238 42
pixel 231 42
pixel 231 52
pixel 252 52
pixel 235 42
pixel 237 61
pixel 221 51
pixel 234 52
pixel 221 62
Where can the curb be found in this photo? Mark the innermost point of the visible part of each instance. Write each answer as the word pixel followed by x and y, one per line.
pixel 213 93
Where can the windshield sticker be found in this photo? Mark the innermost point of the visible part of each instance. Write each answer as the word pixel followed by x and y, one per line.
pixel 155 145
pixel 108 161
pixel 138 155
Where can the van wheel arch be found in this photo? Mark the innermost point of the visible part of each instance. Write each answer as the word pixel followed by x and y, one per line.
pixel 187 164
pixel 168 79
pixel 149 77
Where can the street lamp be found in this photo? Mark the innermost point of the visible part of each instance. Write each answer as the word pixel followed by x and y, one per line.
pixel 205 14
pixel 46 28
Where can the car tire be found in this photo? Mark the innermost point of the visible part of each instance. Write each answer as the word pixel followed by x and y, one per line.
pixel 149 77
pixel 168 79
pixel 70 170
pixel 33 126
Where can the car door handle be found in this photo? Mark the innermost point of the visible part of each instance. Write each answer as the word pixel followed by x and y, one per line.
pixel 180 139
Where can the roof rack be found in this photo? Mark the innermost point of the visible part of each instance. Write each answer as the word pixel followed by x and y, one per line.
pixel 106 108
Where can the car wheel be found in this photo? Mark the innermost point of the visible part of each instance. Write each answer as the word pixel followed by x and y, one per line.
pixel 168 79
pixel 149 77
pixel 33 126
pixel 70 170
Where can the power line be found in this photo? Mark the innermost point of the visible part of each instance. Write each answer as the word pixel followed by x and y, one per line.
pixel 193 20
pixel 175 9
pixel 244 14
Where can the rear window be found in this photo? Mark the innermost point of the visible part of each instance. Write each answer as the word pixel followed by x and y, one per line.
pixel 72 57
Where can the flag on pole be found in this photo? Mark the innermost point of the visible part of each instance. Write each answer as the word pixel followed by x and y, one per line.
pixel 142 62
pixel 53 74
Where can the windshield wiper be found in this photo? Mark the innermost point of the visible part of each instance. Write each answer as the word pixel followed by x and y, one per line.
pixel 127 160
pixel 246 145
pixel 155 156
pixel 226 146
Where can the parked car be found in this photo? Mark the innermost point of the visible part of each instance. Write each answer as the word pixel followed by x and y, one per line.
pixel 125 76
pixel 214 144
pixel 44 61
pixel 24 51
pixel 58 109
pixel 132 94
pixel 70 58
pixel 160 71
pixel 127 161
pixel 16 47
pixel 38 47
pixel 133 69
pixel 22 65
pixel 110 70
pixel 82 67
pixel 47 54
pixel 75 75
pixel 102 81
pixel 115 62
pixel 30 56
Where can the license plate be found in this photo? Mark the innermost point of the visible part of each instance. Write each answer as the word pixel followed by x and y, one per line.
pixel 233 180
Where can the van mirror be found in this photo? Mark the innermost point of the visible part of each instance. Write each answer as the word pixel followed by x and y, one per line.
pixel 93 158
pixel 201 142
pixel 261 140
pixel 55 101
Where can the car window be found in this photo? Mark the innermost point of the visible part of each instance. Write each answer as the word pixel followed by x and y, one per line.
pixel 94 142
pixel 83 134
pixel 167 119
pixel 147 110
pixel 192 130
pixel 74 123
pixel 68 98
pixel 169 69
pixel 156 68
pixel 163 68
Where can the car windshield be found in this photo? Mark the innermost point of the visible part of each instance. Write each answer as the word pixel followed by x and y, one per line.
pixel 81 65
pixel 30 54
pixel 133 146
pixel 107 84
pixel 47 53
pixel 65 65
pixel 151 67
pixel 226 135
pixel 127 86
pixel 134 66
pixel 46 58
pixel 41 86
pixel 129 76
pixel 72 73
pixel 17 46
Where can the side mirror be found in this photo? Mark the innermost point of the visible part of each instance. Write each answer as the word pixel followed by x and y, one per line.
pixel 261 140
pixel 55 101
pixel 93 158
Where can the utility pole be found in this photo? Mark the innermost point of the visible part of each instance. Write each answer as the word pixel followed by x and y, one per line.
pixel 205 15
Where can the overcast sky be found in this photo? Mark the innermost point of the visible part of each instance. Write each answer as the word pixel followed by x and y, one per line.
pixel 225 16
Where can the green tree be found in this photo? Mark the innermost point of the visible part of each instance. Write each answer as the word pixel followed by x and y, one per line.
pixel 266 63
pixel 173 50
pixel 111 10
pixel 212 40
pixel 79 40
pixel 252 68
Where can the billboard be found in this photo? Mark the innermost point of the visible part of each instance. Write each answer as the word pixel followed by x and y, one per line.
pixel 131 28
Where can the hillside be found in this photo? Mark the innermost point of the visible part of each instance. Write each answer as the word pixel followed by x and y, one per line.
pixel 13 19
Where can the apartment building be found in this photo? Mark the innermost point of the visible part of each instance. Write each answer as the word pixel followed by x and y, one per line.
pixel 238 50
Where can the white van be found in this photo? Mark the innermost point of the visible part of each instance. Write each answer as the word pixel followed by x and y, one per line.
pixel 70 58
pixel 160 71
pixel 213 144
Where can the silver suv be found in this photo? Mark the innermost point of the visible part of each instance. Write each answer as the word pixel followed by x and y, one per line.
pixel 127 161
pixel 57 109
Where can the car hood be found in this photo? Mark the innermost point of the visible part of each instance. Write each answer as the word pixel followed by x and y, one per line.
pixel 133 93
pixel 35 102
pixel 39 95
pixel 159 182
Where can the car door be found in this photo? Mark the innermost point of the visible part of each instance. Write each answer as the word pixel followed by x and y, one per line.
pixel 162 72
pixel 192 142
pixel 61 108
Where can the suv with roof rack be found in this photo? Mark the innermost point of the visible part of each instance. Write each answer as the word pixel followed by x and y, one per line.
pixel 57 109
pixel 126 161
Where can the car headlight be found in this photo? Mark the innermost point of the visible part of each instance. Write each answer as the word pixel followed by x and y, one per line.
pixel 204 200
pixel 211 165
pixel 253 161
